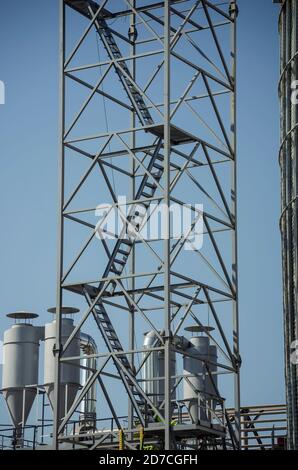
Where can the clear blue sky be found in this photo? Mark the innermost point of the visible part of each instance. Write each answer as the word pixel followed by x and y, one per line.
pixel 28 179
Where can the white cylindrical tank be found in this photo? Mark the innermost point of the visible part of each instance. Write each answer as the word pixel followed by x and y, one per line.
pixel 20 367
pixel 154 370
pixel 195 380
pixel 69 373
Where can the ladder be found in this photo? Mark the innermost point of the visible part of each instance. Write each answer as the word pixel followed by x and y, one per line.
pixel 88 8
pixel 125 242
pixel 146 190
pixel 113 345
pixel 123 72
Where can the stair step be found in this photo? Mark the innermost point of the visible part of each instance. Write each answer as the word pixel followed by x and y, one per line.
pixel 144 194
pixel 126 242
pixel 123 252
pixel 119 261
pixel 151 185
pixel 115 271
pixel 159 167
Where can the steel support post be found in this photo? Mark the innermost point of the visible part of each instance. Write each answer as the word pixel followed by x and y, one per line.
pixel 131 326
pixel 60 241
pixel 234 13
pixel 167 234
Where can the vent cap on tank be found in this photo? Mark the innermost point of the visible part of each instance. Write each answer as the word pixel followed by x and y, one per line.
pixel 22 316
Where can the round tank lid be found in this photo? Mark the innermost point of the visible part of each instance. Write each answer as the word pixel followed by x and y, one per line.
pixel 64 310
pixel 22 315
pixel 199 329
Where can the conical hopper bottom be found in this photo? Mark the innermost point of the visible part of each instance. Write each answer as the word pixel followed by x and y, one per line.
pixel 66 397
pixel 14 400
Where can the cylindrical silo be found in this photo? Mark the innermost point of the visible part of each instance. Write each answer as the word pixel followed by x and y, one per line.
pixel 20 367
pixel 195 378
pixel 154 370
pixel 69 373
pixel 288 86
pixel 200 375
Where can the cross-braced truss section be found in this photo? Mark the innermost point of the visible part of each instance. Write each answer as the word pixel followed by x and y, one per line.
pixel 148 212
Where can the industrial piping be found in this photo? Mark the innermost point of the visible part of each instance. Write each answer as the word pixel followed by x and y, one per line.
pixel 89 364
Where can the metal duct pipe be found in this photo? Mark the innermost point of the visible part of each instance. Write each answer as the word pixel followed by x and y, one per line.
pixel 88 405
pixel 153 371
pixel 199 386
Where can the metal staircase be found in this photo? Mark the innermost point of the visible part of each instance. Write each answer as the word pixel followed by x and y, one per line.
pixel 146 190
pixel 125 242
pixel 126 372
pixel 89 8
pixel 123 72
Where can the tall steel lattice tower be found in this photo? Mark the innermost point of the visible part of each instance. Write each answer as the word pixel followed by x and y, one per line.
pixel 288 28
pixel 148 121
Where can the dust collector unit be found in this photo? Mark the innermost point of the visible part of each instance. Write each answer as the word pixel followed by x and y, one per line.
pixel 20 366
pixel 69 373
pixel 154 370
pixel 200 385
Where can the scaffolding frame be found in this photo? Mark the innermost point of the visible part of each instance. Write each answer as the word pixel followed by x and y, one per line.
pixel 172 154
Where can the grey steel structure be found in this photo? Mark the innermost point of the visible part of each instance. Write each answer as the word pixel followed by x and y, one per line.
pixel 288 28
pixel 150 116
pixel 262 428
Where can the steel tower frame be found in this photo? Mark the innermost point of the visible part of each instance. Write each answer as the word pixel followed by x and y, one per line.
pixel 161 146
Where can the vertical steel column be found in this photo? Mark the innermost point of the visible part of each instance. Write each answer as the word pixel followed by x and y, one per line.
pixel 295 206
pixel 57 350
pixel 234 13
pixel 132 196
pixel 167 280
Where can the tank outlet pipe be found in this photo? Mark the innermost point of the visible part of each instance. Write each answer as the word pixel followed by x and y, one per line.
pixel 181 342
pixel 88 405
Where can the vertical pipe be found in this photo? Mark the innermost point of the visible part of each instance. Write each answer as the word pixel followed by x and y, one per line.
pixel 42 418
pixel 34 437
pixel 234 13
pixel 56 351
pixel 23 417
pixel 88 404
pixel 167 287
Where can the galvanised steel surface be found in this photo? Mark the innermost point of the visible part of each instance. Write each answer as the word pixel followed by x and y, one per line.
pixel 288 28
pixel 20 370
pixel 148 112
